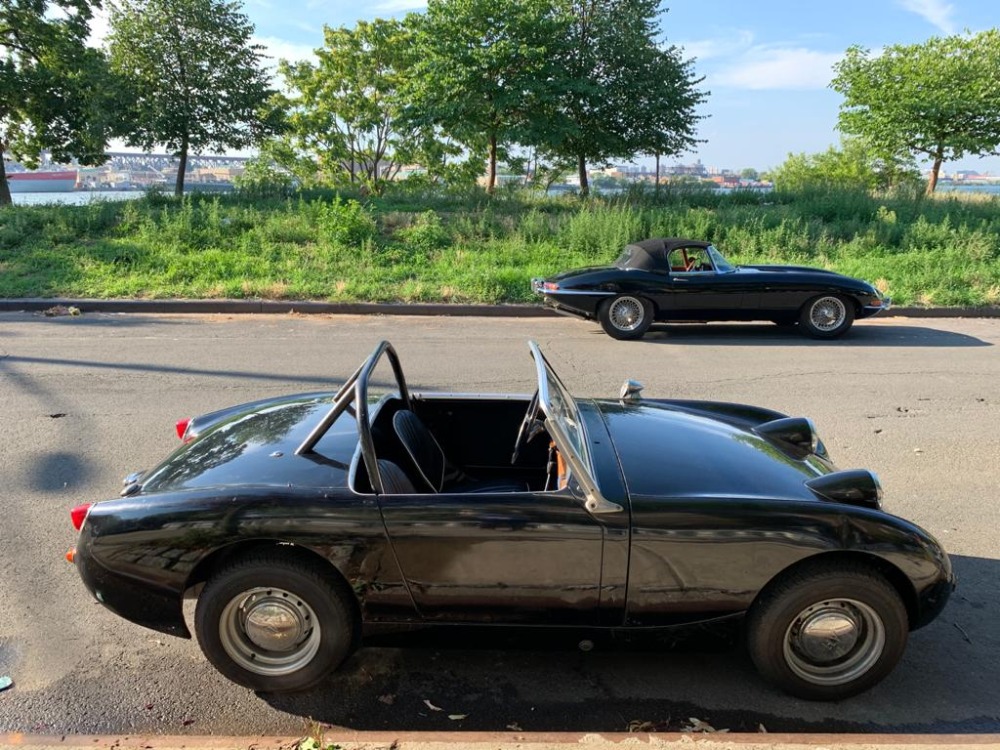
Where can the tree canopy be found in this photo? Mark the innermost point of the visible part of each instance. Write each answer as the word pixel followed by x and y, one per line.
pixel 937 100
pixel 854 165
pixel 53 89
pixel 345 110
pixel 485 72
pixel 193 77
pixel 626 92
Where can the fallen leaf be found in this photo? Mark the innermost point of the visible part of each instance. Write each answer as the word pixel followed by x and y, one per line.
pixel 762 729
pixel 187 722
pixel 457 717
pixel 431 706
pixel 514 727
pixel 388 699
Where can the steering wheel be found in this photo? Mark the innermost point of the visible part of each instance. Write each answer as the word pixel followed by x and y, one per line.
pixel 524 433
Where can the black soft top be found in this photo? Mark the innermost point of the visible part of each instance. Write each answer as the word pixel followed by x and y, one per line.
pixel 651 254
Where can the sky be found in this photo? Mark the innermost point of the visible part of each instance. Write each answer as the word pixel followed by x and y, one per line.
pixel 766 63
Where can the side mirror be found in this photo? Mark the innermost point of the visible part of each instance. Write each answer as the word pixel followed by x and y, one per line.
pixel 630 392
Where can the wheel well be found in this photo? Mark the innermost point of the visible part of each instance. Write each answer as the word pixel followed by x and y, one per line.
pixel 895 577
pixel 224 555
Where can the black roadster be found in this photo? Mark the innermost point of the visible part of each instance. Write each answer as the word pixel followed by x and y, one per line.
pixel 674 279
pixel 304 523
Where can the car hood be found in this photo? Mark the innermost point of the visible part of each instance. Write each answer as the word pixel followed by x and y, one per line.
pixel 671 450
pixel 254 444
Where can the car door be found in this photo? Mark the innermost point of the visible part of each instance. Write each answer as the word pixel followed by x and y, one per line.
pixel 697 291
pixel 507 557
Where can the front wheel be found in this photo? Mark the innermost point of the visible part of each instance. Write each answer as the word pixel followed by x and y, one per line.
pixel 273 624
pixel 626 317
pixel 827 317
pixel 828 633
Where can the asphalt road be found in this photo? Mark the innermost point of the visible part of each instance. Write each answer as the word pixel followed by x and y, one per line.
pixel 84 401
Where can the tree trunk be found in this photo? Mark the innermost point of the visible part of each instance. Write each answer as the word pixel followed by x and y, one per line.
pixel 181 170
pixel 5 199
pixel 657 173
pixel 491 180
pixel 935 171
pixel 584 184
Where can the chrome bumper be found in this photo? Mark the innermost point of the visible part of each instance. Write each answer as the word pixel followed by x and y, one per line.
pixel 536 285
pixel 876 309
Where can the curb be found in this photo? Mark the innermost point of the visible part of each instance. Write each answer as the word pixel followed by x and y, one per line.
pixel 348 740
pixel 306 307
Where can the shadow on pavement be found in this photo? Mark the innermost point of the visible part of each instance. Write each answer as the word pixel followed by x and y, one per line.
pixel 881 336
pixel 943 684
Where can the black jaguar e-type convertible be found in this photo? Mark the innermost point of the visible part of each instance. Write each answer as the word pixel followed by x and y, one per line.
pixel 674 279
pixel 304 523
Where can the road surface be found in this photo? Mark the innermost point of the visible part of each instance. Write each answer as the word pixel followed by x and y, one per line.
pixel 86 400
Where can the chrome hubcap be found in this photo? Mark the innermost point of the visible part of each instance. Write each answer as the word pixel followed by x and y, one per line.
pixel 626 313
pixel 269 631
pixel 827 313
pixel 834 642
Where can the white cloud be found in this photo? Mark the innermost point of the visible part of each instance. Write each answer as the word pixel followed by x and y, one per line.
pixel 765 67
pixel 281 49
pixel 396 6
pixel 935 12
pixel 721 46
pixel 100 26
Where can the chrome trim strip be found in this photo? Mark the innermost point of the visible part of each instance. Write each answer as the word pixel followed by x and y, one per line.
pixel 575 291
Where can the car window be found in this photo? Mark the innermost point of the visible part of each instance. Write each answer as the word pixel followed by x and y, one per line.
pixel 690 260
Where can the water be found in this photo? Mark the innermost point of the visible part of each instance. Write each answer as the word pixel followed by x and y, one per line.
pixel 989 189
pixel 76 198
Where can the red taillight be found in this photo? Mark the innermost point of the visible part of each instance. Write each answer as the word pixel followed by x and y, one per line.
pixel 79 514
pixel 550 286
pixel 182 425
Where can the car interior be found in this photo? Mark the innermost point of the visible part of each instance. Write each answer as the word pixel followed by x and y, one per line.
pixel 460 446
pixel 690 260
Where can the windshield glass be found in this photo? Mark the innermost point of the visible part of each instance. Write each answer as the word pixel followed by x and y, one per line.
pixel 567 429
pixel 721 264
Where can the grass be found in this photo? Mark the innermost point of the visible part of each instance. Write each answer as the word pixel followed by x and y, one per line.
pixel 438 247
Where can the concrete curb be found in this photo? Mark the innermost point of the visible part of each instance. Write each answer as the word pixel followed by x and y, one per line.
pixel 370 740
pixel 258 306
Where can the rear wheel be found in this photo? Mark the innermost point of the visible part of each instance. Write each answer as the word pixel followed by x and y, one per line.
pixel 626 317
pixel 827 316
pixel 827 633
pixel 274 624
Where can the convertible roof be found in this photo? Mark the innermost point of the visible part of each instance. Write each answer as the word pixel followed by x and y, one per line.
pixel 652 253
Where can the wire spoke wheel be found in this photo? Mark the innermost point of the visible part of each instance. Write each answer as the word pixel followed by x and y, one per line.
pixel 626 313
pixel 828 314
pixel 269 631
pixel 834 642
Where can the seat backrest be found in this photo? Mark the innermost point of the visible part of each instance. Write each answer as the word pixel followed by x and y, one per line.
pixel 423 449
pixel 394 479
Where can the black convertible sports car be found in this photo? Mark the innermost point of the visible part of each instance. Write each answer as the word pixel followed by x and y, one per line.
pixel 673 279
pixel 303 523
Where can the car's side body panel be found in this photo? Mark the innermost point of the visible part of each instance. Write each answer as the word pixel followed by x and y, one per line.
pixel 138 554
pixel 712 292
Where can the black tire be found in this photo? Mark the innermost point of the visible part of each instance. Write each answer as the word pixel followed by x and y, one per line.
pixel 626 317
pixel 286 590
pixel 827 316
pixel 820 597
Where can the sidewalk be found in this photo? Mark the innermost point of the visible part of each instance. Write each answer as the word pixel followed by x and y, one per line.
pixel 347 740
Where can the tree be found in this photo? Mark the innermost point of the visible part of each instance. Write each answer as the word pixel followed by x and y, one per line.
pixel 485 72
pixel 937 99
pixel 624 93
pixel 664 119
pixel 855 165
pixel 194 79
pixel 345 110
pixel 52 87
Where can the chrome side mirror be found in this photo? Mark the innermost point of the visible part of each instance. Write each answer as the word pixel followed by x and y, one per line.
pixel 630 392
